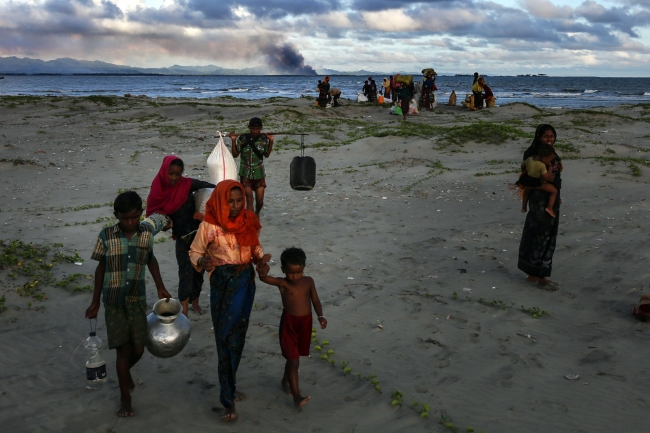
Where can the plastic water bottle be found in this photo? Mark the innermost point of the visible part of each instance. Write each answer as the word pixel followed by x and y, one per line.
pixel 95 365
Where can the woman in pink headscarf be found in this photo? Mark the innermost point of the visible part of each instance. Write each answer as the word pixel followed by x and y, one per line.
pixel 171 194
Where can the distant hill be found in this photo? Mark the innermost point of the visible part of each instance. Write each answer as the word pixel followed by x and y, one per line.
pixel 67 66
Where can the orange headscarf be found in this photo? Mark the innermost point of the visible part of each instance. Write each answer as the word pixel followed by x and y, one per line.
pixel 245 226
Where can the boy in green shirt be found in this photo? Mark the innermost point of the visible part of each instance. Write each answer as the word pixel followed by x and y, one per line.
pixel 253 148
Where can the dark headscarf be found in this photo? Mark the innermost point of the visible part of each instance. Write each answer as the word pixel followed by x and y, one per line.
pixel 534 146
pixel 541 129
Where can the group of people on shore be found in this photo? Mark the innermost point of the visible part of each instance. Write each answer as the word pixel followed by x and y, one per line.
pixel 481 92
pixel 224 242
pixel 327 94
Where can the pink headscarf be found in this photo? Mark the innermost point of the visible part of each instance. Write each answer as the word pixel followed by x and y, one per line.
pixel 165 198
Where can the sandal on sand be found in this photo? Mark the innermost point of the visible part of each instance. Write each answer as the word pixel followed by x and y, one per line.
pixel 642 310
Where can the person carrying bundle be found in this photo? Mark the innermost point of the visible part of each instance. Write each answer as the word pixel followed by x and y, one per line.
pixel 253 148
pixel 477 90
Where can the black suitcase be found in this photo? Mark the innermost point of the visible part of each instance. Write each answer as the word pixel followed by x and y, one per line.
pixel 302 173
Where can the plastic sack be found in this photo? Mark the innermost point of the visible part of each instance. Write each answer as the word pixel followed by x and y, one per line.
pixel 201 197
pixel 221 164
pixel 361 97
pixel 397 110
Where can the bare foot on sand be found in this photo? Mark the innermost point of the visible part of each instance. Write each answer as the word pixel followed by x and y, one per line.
pixel 239 396
pixel 125 410
pixel 550 212
pixel 548 285
pixel 196 307
pixel 230 414
pixel 285 386
pixel 301 401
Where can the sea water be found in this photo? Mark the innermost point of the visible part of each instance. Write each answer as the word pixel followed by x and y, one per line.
pixel 542 91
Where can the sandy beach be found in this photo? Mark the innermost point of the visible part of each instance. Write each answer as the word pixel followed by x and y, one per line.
pixel 411 236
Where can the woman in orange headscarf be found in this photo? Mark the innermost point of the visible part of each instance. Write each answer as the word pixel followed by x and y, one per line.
pixel 226 245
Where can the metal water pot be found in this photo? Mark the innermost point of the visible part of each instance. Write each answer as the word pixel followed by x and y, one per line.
pixel 168 329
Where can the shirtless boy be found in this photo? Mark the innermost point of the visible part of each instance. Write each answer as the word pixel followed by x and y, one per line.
pixel 298 295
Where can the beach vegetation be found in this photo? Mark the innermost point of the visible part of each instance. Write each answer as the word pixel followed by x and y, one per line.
pixel 566 146
pixel 31 289
pixel 14 101
pixel 70 283
pixel 134 156
pixel 109 101
pixel 3 307
pixel 534 311
pixel 19 161
pixel 485 173
pixel 636 162
pixel 398 398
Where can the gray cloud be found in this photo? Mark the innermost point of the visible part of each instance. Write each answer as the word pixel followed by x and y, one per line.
pixel 255 32
pixel 380 5
pixel 273 9
pixel 623 19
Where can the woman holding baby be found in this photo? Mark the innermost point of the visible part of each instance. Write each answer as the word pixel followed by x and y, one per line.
pixel 540 229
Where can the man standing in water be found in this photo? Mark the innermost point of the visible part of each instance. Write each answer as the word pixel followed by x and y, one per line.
pixel 253 148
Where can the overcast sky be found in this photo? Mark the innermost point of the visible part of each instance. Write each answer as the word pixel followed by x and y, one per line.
pixel 557 37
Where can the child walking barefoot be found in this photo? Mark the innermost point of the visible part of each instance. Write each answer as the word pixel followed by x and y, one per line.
pixel 122 251
pixel 533 170
pixel 298 295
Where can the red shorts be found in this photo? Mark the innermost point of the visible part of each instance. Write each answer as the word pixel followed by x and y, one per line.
pixel 295 335
pixel 252 183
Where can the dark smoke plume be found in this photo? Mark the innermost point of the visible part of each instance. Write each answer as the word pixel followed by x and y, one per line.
pixel 285 59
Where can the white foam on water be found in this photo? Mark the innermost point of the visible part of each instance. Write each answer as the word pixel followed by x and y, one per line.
pixel 188 88
pixel 590 91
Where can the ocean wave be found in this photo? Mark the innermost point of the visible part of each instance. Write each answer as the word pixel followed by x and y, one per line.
pixel 238 90
pixel 571 90
pixel 555 95
pixel 590 91
pixel 189 88
pixel 646 94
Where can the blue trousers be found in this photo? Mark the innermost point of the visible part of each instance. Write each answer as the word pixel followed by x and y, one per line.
pixel 232 291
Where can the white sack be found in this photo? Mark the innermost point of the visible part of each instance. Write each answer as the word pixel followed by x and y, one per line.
pixel 201 197
pixel 221 164
pixel 361 97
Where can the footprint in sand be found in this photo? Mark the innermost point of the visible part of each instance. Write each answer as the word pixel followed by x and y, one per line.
pixel 505 381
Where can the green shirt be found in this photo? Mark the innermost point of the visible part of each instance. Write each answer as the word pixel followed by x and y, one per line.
pixel 535 168
pixel 250 166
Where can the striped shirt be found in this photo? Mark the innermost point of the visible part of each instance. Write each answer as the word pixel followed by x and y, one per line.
pixel 126 260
